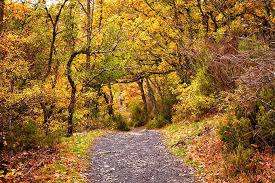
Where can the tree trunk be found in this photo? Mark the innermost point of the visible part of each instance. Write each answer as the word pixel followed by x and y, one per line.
pixel 213 18
pixel 111 100
pixel 152 97
pixel 204 16
pixel 54 22
pixel 121 100
pixel 47 113
pixel 107 103
pixel 50 61
pixel 90 14
pixel 71 111
pixel 45 118
pixel 1 15
pixel 140 84
pixel 160 92
pixel 73 93
pixel 55 74
pixel 100 15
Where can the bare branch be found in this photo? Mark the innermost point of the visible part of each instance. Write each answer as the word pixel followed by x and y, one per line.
pixel 49 15
pixel 60 10
pixel 82 7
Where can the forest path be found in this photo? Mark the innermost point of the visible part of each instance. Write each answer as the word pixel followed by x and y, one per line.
pixel 136 157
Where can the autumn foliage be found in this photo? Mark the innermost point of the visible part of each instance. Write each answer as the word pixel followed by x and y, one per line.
pixel 71 66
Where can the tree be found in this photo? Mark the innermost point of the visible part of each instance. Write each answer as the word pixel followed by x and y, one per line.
pixel 58 59
pixel 47 106
pixel 54 23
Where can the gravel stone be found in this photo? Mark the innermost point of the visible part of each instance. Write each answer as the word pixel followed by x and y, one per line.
pixel 136 157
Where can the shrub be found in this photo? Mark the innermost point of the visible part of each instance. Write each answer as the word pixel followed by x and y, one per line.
pixel 239 161
pixel 106 122
pixel 265 128
pixel 256 128
pixel 158 122
pixel 250 44
pixel 236 132
pixel 28 135
pixel 167 108
pixel 138 116
pixel 21 137
pixel 197 98
pixel 120 123
pixel 94 109
pixel 51 139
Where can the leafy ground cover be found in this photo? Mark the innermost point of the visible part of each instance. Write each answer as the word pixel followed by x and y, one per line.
pixel 199 145
pixel 72 160
pixel 65 162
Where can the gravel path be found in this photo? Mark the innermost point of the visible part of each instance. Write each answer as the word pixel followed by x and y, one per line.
pixel 136 157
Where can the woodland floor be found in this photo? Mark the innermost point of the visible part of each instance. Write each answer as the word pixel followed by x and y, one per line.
pixel 133 157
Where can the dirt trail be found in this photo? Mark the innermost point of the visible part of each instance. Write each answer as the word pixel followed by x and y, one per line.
pixel 136 157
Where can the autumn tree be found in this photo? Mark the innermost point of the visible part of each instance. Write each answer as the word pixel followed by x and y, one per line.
pixel 60 59
pixel 54 20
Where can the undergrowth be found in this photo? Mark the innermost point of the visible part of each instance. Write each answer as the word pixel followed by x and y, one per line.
pixel 200 146
pixel 72 159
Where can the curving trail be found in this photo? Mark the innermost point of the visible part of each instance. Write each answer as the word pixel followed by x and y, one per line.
pixel 136 157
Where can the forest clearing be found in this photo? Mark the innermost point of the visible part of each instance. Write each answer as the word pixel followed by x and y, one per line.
pixel 137 91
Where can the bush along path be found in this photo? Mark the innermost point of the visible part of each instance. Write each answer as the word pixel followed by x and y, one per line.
pixel 135 157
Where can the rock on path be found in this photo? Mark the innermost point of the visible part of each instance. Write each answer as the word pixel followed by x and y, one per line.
pixel 135 157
